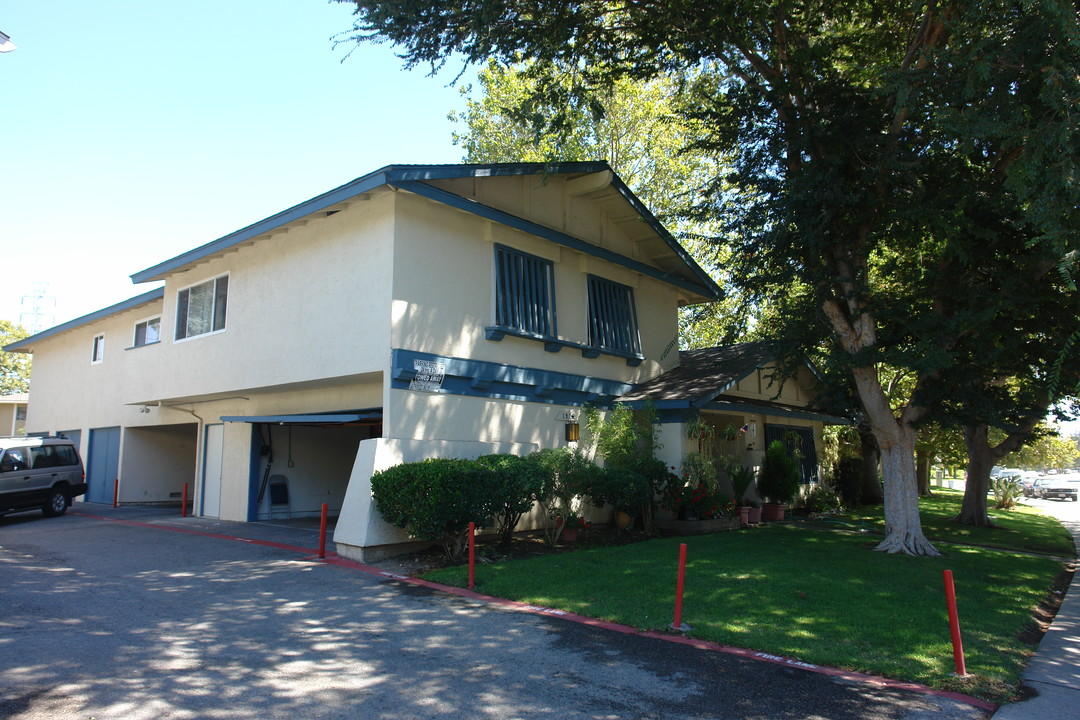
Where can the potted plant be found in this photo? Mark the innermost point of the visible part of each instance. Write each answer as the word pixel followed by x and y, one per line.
pixel 778 481
pixel 572 526
pixel 741 477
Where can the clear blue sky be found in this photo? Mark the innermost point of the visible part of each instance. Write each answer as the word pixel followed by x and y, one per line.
pixel 134 130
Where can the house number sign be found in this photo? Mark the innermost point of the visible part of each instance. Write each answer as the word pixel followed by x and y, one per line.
pixel 429 375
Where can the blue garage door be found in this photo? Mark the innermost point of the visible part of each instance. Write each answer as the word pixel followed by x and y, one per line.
pixel 102 464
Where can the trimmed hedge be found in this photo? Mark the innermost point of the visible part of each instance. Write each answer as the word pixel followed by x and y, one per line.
pixel 436 499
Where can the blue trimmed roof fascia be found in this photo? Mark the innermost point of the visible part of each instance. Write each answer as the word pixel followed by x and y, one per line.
pixel 311 418
pixel 666 236
pixel 480 378
pixel 147 297
pixel 485 211
pixel 351 189
pixel 393 174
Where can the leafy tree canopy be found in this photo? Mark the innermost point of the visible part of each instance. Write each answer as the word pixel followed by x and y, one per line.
pixel 884 156
pixel 14 367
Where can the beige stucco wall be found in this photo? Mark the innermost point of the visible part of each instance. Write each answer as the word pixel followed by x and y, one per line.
pixel 445 312
pixel 313 313
pixel 308 304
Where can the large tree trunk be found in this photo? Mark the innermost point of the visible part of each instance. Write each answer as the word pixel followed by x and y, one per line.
pixel 981 458
pixel 871 463
pixel 895 436
pixel 922 472
pixel 903 527
pixel 896 440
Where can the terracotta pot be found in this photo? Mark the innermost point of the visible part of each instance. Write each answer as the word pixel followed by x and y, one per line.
pixel 744 515
pixel 623 520
pixel 773 511
pixel 569 534
pixel 755 516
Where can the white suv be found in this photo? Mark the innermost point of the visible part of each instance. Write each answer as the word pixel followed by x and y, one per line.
pixel 39 473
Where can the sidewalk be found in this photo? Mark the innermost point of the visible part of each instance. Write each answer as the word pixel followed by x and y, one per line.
pixel 1054 672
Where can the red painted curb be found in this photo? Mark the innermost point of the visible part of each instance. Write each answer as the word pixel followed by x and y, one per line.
pixel 337 561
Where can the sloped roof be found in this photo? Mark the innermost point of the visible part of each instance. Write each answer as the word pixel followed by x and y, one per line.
pixel 25 345
pixel 669 260
pixel 703 374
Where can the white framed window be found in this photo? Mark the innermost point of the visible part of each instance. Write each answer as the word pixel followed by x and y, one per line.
pixel 97 354
pixel 201 308
pixel 147 332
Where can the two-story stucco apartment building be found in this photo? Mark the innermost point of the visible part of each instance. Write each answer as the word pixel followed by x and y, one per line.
pixel 417 311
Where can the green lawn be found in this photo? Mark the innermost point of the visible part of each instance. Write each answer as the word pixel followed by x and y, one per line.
pixel 818 595
pixel 1022 528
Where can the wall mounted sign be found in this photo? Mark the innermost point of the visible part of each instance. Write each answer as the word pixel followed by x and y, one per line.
pixel 429 376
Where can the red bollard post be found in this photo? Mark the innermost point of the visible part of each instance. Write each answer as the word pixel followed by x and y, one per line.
pixel 678 624
pixel 183 502
pixel 954 624
pixel 322 531
pixel 116 493
pixel 472 555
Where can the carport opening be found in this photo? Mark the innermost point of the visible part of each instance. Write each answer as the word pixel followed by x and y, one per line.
pixel 302 461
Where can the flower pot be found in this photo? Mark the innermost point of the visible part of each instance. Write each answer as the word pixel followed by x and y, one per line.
pixel 754 517
pixel 569 534
pixel 623 520
pixel 744 515
pixel 773 511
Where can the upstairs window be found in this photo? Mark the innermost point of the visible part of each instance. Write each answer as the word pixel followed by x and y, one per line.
pixel 147 332
pixel 200 309
pixel 524 293
pixel 97 354
pixel 612 317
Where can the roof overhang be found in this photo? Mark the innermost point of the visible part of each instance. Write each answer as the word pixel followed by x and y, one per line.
pixel 358 417
pixel 26 344
pixel 675 411
pixel 683 271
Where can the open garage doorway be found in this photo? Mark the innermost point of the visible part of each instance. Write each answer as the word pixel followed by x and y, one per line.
pixel 302 461
pixel 156 463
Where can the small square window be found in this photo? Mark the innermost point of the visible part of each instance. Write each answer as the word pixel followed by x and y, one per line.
pixel 98 353
pixel 147 332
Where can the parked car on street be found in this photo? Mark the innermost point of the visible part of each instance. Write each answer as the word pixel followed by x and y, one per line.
pixel 1060 487
pixel 39 473
pixel 1027 481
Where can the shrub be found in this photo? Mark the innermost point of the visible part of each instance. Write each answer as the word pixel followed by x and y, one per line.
pixel 436 499
pixel 567 475
pixel 520 482
pixel 821 499
pixel 1007 492
pixel 625 489
pixel 778 480
pixel 741 477
pixel 847 479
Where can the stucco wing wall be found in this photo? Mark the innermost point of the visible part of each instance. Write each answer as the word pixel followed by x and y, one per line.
pixel 360 527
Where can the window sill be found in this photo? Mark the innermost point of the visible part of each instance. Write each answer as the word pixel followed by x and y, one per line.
pixel 149 344
pixel 553 344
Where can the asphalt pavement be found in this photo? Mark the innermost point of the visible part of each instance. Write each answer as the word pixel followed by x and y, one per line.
pixel 135 613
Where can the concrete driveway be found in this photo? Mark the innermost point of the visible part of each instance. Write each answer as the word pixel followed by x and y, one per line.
pixel 130 614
